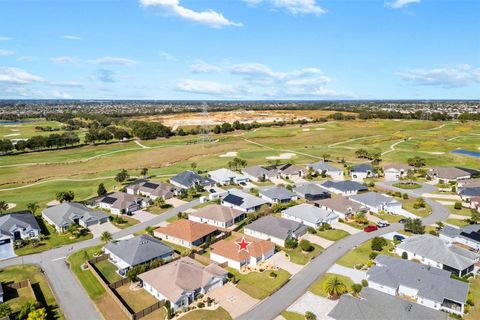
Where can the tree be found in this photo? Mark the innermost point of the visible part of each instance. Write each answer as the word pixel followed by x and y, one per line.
pixel 306 245
pixel 309 315
pixel 475 217
pixel 27 307
pixel 65 196
pixel 404 255
pixel 33 207
pixel 106 236
pixel 356 288
pixel 3 206
pixel 457 205
pixel 5 310
pixel 291 243
pixel 414 226
pixel 101 191
pixel 170 311
pixel 122 176
pixel 378 243
pixel 335 287
pixel 38 314
pixel 149 230
pixel 325 157
pixel 416 162
pixel 144 172
pixel 193 165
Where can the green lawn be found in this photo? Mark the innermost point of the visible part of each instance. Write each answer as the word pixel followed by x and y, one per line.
pixel 388 217
pixel 16 298
pixel 289 315
pixel 422 212
pixel 108 270
pixel 463 212
pixel 407 185
pixel 318 287
pixel 129 221
pixel 474 313
pixel 333 234
pixel 86 278
pixel 361 254
pixel 260 285
pixel 176 247
pixel 457 222
pixel 158 210
pixel 299 257
pixel 217 314
pixel 137 300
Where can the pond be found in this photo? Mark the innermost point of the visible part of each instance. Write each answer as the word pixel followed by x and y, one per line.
pixel 8 122
pixel 475 154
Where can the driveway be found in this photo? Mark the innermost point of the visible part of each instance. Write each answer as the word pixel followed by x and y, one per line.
pixel 175 202
pixel 407 214
pixel 6 251
pixel 356 275
pixel 442 196
pixel 280 260
pixel 142 215
pixel 320 306
pixel 98 229
pixel 322 242
pixel 277 181
pixel 298 180
pixel 345 227
pixel 232 299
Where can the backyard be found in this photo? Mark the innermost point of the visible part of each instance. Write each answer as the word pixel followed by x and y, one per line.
pixel 260 285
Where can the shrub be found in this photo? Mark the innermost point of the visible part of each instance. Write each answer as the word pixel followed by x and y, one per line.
pixel 291 243
pixel 273 275
pixel 309 315
pixel 378 243
pixel 306 246
pixel 356 288
pixel 201 305
pixel 364 283
pixel 405 196
pixel 457 205
pixel 404 255
pixel 311 230
pixel 373 255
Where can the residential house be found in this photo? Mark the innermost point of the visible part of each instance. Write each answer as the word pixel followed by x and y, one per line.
pixel 468 236
pixel 275 229
pixel 242 201
pixel 186 233
pixel 345 188
pixel 16 226
pixel 226 177
pixel 121 202
pixel 439 253
pixel 277 195
pixel 153 190
pixel 361 171
pixel 323 168
pixel 376 202
pixel 259 173
pixel 227 251
pixel 290 170
pixel 426 285
pixel 394 172
pixel 374 305
pixel 128 253
pixel 63 215
pixel 475 203
pixel 182 281
pixel 469 183
pixel 468 193
pixel 189 179
pixel 341 206
pixel 448 174
pixel 311 191
pixel 309 215
pixel 217 215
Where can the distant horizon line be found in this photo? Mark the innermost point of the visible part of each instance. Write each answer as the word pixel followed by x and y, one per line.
pixel 247 100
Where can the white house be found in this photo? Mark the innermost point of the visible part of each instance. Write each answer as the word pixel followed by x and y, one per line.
pixel 226 177
pixel 344 188
pixel 275 229
pixel 277 195
pixel 217 215
pixel 324 168
pixel 468 236
pixel 376 202
pixel 121 202
pixel 309 215
pixel 361 171
pixel 394 172
pixel 242 201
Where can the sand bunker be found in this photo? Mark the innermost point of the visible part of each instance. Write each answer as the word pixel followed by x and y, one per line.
pixel 305 130
pixel 11 205
pixel 12 135
pixel 230 154
pixel 318 129
pixel 283 156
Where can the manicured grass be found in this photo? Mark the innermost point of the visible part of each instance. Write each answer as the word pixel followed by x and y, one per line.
pixel 361 254
pixel 52 239
pixel 176 247
pixel 388 217
pixel 299 257
pixel 86 278
pixel 129 221
pixel 159 210
pixel 407 185
pixel 16 298
pixel 475 295
pixel 463 212
pixel 318 287
pixel 422 212
pixel 108 270
pixel 457 222
pixel 137 300
pixel 260 285
pixel 333 234
pixel 290 315
pixel 217 314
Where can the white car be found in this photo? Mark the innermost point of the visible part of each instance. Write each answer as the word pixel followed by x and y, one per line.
pixel 383 224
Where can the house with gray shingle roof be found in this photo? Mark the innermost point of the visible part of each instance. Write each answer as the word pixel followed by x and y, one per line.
pixel 428 286
pixel 376 202
pixel 345 188
pixel 361 171
pixel 189 179
pixel 467 193
pixel 275 229
pixel 258 173
pixel 277 195
pixel 450 173
pixel 290 170
pixel 341 206
pixel 323 167
pixel 63 215
pixel 242 201
pixel 374 305
pixel 309 215
pixel 311 191
pixel 152 189
pixel 128 253
pixel 468 235
pixel 226 176
pixel 439 253
pixel 16 226
pixel 121 202
pixel 395 171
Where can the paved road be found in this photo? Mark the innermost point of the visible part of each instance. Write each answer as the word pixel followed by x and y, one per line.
pixel 71 297
pixel 299 283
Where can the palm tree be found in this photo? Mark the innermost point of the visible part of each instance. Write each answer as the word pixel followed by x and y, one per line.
pixel 3 206
pixel 33 207
pixel 106 236
pixel 335 287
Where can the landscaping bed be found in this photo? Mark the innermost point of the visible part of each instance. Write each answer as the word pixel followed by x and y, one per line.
pixel 407 186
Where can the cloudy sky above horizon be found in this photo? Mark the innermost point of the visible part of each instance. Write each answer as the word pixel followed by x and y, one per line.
pixel 240 49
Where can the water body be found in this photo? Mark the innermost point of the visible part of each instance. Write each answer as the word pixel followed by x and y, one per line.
pixel 5 122
pixel 475 154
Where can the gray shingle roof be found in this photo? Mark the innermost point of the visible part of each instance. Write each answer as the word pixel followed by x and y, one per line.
pixel 311 189
pixel 23 220
pixel 323 166
pixel 470 192
pixel 277 227
pixel 139 249
pixel 190 179
pixel 65 213
pixel 470 232
pixel 373 199
pixel 345 186
pixel 374 305
pixel 439 250
pixel 243 199
pixel 432 283
pixel 364 167
pixel 279 193
pixel 310 213
pixel 450 172
pixel 258 171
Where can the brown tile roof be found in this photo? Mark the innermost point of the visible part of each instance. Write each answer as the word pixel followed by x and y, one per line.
pixel 217 212
pixel 229 249
pixel 187 230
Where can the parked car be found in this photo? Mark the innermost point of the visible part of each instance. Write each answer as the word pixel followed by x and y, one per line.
pixel 370 228
pixel 211 190
pixel 402 220
pixel 383 224
pixel 243 183
pixel 398 237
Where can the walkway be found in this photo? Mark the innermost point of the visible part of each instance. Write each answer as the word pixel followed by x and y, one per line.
pixel 356 275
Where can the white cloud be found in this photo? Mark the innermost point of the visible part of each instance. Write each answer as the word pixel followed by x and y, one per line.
pixel 26 58
pixel 397 4
pixel 167 56
pixel 201 66
pixel 5 38
pixel 17 76
pixel 293 6
pixel 71 37
pixel 204 87
pixel 67 84
pixel 5 53
pixel 59 95
pixel 65 60
pixel 448 77
pixel 207 17
pixel 114 61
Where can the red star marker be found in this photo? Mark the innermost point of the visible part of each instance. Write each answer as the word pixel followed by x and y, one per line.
pixel 243 245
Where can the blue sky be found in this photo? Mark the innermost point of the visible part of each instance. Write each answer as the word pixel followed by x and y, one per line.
pixel 240 49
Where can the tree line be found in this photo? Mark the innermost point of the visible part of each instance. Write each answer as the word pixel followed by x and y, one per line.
pixel 54 140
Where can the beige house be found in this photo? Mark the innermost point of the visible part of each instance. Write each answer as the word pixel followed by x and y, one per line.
pixel 217 215
pixel 186 233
